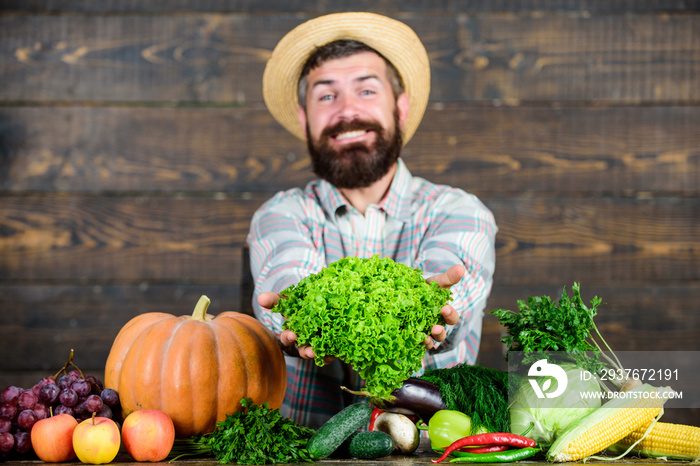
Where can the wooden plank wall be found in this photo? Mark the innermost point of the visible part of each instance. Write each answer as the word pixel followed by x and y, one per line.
pixel 135 145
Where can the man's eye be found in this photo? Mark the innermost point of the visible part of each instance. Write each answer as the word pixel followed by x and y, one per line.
pixel 327 97
pixel 367 92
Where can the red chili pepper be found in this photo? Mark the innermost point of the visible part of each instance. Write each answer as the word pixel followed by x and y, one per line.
pixel 475 450
pixel 375 414
pixel 498 438
pixel 485 449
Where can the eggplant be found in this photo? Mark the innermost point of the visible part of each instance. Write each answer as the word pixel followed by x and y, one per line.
pixel 416 397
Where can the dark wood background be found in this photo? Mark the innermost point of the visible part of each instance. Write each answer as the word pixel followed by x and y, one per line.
pixel 135 145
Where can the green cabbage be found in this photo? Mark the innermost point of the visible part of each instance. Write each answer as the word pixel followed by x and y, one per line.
pixel 546 418
pixel 371 313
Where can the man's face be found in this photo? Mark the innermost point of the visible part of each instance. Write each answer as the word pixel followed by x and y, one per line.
pixel 353 123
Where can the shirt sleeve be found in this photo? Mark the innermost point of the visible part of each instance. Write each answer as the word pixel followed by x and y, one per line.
pixel 283 249
pixel 462 231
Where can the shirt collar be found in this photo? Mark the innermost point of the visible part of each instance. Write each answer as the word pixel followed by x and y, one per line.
pixel 396 203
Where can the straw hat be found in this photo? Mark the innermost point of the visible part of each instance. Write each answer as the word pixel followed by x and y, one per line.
pixel 393 39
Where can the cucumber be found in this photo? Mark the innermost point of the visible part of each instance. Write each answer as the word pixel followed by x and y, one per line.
pixel 337 429
pixel 370 445
pixel 366 445
pixel 343 451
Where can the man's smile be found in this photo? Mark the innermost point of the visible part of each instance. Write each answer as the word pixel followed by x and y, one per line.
pixel 350 134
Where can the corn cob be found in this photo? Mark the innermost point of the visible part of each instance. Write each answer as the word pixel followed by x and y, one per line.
pixel 609 424
pixel 665 440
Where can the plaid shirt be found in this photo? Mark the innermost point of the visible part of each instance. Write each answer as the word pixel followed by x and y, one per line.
pixel 426 226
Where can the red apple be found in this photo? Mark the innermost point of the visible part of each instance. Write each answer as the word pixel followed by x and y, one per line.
pixel 96 440
pixel 148 435
pixel 52 438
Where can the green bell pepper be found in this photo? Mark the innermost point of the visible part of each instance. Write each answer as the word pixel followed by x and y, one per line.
pixel 447 426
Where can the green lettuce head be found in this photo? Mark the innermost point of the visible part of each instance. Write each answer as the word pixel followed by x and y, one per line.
pixel 373 314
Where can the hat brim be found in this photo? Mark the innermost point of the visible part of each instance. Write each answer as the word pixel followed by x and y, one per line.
pixel 397 42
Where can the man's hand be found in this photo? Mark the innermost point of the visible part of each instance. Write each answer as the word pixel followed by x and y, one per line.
pixel 267 300
pixel 453 275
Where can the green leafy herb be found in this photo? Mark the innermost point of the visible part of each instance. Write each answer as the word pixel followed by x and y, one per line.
pixel 477 391
pixel 567 326
pixel 371 313
pixel 256 435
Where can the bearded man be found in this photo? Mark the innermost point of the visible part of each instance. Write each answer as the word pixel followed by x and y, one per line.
pixel 355 86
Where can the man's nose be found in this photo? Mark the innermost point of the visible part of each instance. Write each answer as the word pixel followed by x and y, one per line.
pixel 349 108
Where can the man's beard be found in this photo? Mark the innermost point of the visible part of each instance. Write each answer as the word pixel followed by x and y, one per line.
pixel 357 165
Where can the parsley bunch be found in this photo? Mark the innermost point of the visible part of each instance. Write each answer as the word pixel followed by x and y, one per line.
pixel 256 435
pixel 567 325
pixel 372 313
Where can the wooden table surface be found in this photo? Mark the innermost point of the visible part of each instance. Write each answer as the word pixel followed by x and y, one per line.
pixel 422 457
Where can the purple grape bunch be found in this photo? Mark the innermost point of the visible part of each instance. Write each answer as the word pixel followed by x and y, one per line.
pixel 68 392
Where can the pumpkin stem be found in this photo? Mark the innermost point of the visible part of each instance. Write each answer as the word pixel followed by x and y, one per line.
pixel 200 310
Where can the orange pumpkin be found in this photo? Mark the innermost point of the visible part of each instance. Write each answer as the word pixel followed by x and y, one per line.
pixel 195 368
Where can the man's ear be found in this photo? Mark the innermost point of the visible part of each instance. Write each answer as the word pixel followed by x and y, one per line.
pixel 403 104
pixel 301 113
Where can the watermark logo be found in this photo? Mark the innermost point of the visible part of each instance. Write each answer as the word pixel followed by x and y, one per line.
pixel 542 368
pixel 555 379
